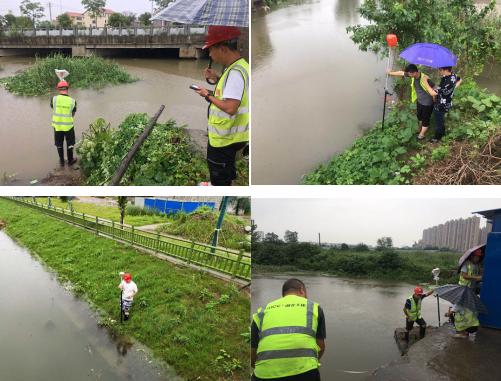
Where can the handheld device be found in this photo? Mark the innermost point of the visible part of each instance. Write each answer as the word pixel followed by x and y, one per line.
pixel 194 87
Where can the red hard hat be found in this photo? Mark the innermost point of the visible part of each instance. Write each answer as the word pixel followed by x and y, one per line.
pixel 62 84
pixel 218 33
pixel 127 277
pixel 418 290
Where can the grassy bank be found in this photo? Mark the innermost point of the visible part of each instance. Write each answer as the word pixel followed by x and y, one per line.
pixel 85 72
pixel 199 226
pixel 165 158
pixel 393 155
pixel 190 320
pixel 408 266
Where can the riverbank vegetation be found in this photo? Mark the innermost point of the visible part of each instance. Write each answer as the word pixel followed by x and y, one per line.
pixel 85 72
pixel 165 158
pixel 469 154
pixel 404 265
pixel 192 321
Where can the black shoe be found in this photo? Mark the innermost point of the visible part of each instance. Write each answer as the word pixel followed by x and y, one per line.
pixel 71 162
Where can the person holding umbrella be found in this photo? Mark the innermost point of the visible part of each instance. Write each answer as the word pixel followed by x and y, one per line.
pixel 412 311
pixel 422 93
pixel 465 321
pixel 470 274
pixel 228 124
pixel 445 91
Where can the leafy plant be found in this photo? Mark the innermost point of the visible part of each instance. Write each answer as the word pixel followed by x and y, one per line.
pixel 227 363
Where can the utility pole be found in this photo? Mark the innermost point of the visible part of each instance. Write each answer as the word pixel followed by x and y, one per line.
pixel 50 11
pixel 319 243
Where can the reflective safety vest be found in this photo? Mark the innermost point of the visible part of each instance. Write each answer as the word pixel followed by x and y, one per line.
pixel 464 319
pixel 422 84
pixel 225 129
pixel 62 112
pixel 287 337
pixel 470 271
pixel 415 312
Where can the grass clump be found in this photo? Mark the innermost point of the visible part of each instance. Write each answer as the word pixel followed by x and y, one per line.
pixel 165 158
pixel 85 72
pixel 199 226
pixel 186 317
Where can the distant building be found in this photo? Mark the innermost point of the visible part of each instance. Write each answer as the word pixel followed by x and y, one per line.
pixel 85 19
pixel 456 235
pixel 76 18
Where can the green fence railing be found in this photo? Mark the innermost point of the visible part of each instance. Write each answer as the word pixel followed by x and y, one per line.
pixel 237 264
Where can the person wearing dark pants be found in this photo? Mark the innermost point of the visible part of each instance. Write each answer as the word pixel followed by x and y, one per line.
pixel 422 93
pixel 445 91
pixel 63 111
pixel 228 121
pixel 288 337
pixel 412 311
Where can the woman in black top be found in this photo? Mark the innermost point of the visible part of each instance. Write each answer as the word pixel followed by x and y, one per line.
pixel 445 91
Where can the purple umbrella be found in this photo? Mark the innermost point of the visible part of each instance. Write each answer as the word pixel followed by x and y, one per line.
pixel 431 55
pixel 468 253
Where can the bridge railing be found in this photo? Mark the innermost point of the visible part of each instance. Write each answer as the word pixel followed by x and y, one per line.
pixel 237 264
pixel 170 30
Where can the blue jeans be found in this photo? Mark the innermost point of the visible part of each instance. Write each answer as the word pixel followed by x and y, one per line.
pixel 440 124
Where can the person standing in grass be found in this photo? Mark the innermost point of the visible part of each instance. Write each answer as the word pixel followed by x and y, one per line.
pixel 443 103
pixel 129 290
pixel 63 111
pixel 422 93
pixel 288 337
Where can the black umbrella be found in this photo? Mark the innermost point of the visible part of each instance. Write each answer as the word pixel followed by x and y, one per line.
pixel 467 254
pixel 461 295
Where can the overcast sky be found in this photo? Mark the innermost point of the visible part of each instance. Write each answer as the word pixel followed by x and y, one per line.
pixel 354 220
pixel 61 6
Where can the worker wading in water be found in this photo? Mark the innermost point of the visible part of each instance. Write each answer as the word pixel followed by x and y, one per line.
pixel 228 124
pixel 412 311
pixel 63 110
pixel 288 337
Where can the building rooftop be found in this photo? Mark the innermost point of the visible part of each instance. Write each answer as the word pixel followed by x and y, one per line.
pixel 489 214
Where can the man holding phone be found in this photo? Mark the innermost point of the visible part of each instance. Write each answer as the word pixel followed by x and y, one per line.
pixel 228 122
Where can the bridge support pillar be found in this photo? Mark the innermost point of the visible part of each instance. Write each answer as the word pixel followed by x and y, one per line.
pixel 80 51
pixel 188 52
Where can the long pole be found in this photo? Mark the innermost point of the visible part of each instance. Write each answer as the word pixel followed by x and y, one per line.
pixel 121 307
pixel 222 212
pixel 386 92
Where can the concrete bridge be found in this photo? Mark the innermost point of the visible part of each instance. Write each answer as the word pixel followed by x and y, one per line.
pixel 188 40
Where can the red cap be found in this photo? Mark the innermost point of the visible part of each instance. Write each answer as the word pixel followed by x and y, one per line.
pixel 218 33
pixel 418 291
pixel 127 277
pixel 392 40
pixel 62 86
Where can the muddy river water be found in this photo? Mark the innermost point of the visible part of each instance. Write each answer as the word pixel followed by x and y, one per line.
pixel 314 91
pixel 361 316
pixel 27 149
pixel 47 334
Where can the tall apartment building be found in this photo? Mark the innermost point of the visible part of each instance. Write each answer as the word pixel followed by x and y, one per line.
pixel 458 235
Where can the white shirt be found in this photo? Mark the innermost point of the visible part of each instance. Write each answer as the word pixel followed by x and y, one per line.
pixel 129 289
pixel 234 87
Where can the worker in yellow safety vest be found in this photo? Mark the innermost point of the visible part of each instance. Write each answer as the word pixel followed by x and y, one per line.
pixel 63 111
pixel 470 273
pixel 422 93
pixel 228 123
pixel 412 311
pixel 288 337
pixel 465 321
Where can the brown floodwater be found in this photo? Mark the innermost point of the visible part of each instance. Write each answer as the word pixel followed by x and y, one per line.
pixel 27 149
pixel 48 334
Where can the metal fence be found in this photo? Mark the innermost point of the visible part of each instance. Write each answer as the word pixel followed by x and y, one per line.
pixel 237 264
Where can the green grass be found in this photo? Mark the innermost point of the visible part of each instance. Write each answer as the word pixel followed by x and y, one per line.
pixel 199 226
pixel 85 72
pixel 107 212
pixel 186 317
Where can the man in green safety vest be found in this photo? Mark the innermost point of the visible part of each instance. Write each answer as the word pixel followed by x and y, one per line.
pixel 465 321
pixel 412 311
pixel 228 124
pixel 470 273
pixel 63 110
pixel 422 93
pixel 288 337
